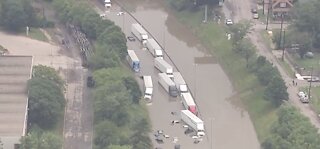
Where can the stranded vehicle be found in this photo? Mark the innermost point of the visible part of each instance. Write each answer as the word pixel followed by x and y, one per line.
pixel 168 84
pixel 138 31
pixel 163 66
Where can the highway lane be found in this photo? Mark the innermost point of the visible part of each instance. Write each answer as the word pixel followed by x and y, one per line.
pixel 226 123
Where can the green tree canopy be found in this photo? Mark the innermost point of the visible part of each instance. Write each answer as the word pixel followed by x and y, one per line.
pixel 48 73
pixel 16 14
pixel 292 131
pixel 119 147
pixel 276 91
pixel 46 102
pixel 38 139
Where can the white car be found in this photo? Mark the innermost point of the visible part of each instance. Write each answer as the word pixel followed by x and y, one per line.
pixel 229 22
pixel 255 16
pixel 301 94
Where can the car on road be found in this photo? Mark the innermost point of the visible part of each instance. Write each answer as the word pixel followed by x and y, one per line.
pixel 255 16
pixel 177 146
pixel 130 38
pixel 229 22
pixel 159 139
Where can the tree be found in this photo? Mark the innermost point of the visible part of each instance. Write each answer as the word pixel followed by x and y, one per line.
pixel 38 139
pixel 292 131
pixel 133 88
pixel 119 147
pixel 276 91
pixel 306 20
pixel 46 102
pixel 106 133
pixel 16 14
pixel 303 39
pixel 239 31
pixel 246 49
pixel 48 73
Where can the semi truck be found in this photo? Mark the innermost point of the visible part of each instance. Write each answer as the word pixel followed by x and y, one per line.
pixel 148 87
pixel 189 103
pixel 154 48
pixel 163 66
pixel 133 61
pixel 138 31
pixel 193 121
pixel 180 83
pixel 168 84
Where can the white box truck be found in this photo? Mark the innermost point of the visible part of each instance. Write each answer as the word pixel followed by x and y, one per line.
pixel 193 121
pixel 163 66
pixel 133 61
pixel 154 48
pixel 180 83
pixel 148 87
pixel 138 31
pixel 188 103
pixel 168 84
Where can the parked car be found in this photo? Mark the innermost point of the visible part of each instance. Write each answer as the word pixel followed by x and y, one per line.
pixel 229 22
pixel 314 79
pixel 130 38
pixel 255 16
pixel 301 94
pixel 177 146
pixel 90 81
pixel 254 10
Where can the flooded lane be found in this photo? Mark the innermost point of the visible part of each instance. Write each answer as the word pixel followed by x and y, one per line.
pixel 227 125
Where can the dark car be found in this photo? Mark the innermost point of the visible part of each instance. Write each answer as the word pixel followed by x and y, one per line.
pixel 130 38
pixel 90 81
pixel 177 146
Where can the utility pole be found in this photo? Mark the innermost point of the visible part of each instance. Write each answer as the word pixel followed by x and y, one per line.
pixel 268 14
pixel 263 7
pixel 281 41
pixel 284 42
pixel 310 83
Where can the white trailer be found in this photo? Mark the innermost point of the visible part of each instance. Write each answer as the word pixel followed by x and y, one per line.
pixel 180 83
pixel 138 31
pixel 148 87
pixel 133 61
pixel 168 84
pixel 154 48
pixel 163 66
pixel 193 121
pixel 188 103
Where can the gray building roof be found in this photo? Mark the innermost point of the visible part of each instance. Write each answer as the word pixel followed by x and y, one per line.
pixel 15 71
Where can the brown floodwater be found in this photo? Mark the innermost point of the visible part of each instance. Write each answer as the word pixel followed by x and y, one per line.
pixel 228 126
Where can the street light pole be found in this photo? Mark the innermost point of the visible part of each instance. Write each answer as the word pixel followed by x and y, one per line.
pixel 268 15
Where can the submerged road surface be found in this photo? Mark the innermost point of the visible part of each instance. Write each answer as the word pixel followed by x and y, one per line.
pixel 227 125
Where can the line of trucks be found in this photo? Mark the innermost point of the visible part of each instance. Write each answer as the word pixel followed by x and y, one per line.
pixel 171 81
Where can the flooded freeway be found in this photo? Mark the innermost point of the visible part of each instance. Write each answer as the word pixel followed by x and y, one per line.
pixel 227 125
